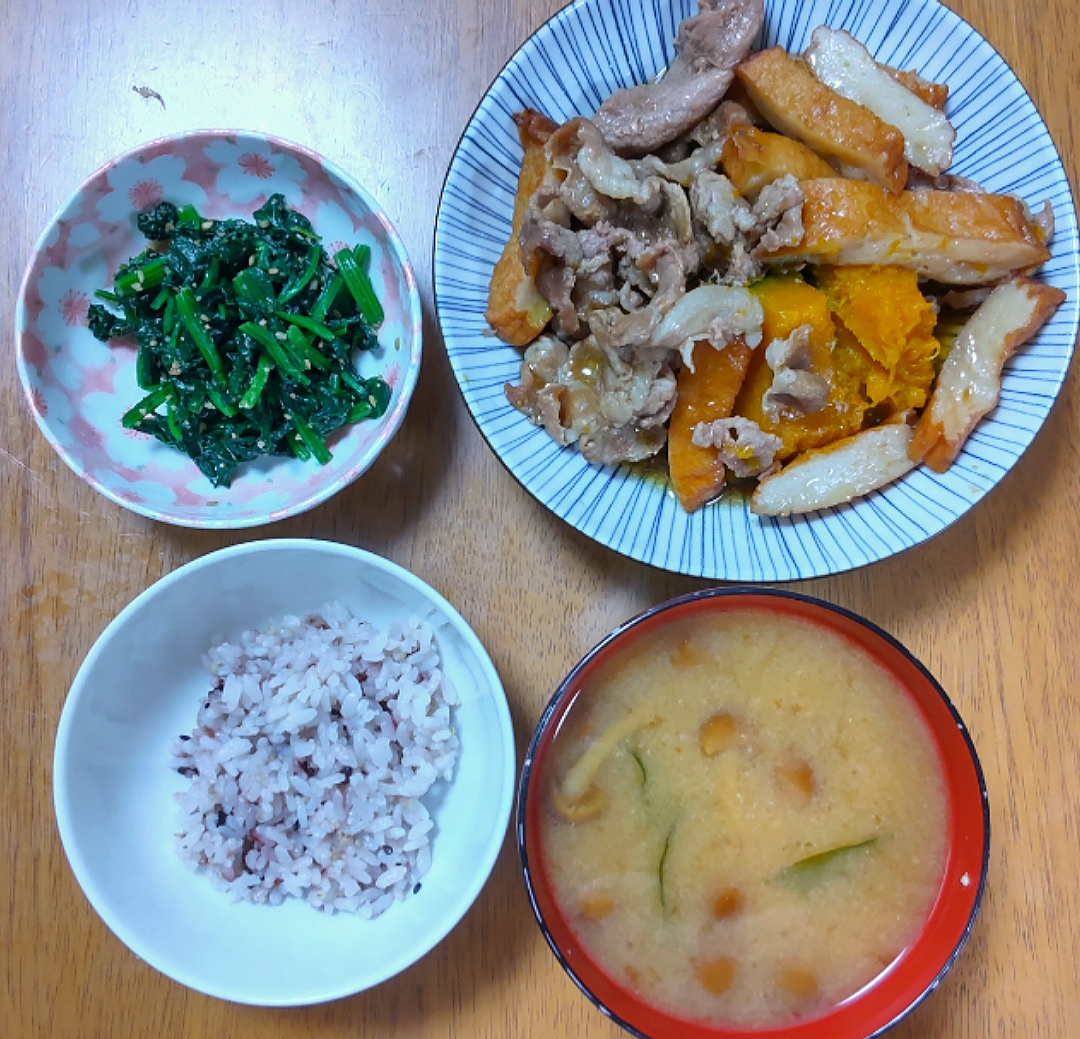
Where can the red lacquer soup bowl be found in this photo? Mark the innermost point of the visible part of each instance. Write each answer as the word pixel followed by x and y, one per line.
pixel 916 972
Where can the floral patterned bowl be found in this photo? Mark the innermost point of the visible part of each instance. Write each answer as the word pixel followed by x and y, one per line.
pixel 78 388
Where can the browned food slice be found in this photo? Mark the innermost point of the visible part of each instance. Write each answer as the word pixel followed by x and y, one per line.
pixel 516 310
pixel 708 46
pixel 956 237
pixel 844 64
pixel 831 475
pixel 934 94
pixel 789 304
pixel 970 380
pixel 753 158
pixel 796 103
pixel 705 394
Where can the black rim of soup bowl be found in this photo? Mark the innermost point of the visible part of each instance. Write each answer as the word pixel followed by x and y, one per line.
pixel 569 685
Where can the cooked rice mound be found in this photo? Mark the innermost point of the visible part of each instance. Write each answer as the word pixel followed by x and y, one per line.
pixel 309 760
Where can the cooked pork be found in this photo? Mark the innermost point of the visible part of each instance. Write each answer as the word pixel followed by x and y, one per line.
pixel 744 447
pixel 795 390
pixel 744 230
pixel 707 48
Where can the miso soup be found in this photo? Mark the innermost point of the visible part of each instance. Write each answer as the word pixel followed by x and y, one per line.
pixel 745 819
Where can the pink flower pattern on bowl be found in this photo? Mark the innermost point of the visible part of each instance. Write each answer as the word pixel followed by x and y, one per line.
pixel 77 388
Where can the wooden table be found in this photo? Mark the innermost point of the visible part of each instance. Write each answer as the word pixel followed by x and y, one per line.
pixel 384 89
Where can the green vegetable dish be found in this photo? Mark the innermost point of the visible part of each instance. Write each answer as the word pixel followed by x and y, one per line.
pixel 246 335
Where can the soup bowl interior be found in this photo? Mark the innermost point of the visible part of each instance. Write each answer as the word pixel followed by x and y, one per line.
pixel 916 971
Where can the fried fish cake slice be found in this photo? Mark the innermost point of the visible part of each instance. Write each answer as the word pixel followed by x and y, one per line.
pixel 796 103
pixel 969 383
pixel 956 237
pixel 840 472
pixel 753 158
pixel 934 94
pixel 516 310
pixel 844 64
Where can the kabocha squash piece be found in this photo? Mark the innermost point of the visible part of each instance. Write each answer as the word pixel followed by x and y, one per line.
pixel 705 394
pixel 884 311
pixel 788 303
pixel 850 357
pixel 970 380
pixel 516 310
pixel 752 158
pixel 796 103
pixel 956 237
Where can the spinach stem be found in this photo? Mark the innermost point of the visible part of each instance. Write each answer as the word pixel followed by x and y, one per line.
pixel 359 284
pixel 189 315
pixel 258 383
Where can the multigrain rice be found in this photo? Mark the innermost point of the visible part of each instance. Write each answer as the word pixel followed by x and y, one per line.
pixel 309 760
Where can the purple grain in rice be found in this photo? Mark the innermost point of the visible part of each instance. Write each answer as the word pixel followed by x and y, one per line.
pixel 309 761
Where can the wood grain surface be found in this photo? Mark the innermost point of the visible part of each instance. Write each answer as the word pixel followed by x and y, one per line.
pixel 384 88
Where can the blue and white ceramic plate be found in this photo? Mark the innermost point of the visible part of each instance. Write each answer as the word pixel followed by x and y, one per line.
pixel 567 68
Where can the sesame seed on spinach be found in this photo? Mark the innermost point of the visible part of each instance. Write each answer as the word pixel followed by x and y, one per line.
pixel 246 335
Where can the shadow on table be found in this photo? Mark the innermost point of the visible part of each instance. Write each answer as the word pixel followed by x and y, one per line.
pixel 393 495
pixel 483 951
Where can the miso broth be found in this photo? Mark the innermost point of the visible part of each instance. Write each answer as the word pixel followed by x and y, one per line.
pixel 745 820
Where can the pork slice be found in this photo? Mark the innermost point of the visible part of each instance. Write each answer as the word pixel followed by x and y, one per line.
pixel 792 352
pixel 552 252
pixel 623 444
pixel 666 265
pixel 683 172
pixel 533 395
pixel 708 46
pixel 660 400
pixel 721 123
pixel 743 230
pixel 778 214
pixel 539 235
pixel 714 201
pixel 794 393
pixel 582 199
pixel 795 389
pixel 743 446
pixel 556 285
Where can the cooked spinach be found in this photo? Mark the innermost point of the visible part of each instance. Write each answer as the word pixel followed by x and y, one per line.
pixel 246 335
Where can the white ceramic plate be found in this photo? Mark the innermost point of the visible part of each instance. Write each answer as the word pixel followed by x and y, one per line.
pixel 140 686
pixel 567 68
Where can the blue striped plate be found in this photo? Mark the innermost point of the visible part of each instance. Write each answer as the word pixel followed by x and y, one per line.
pixel 567 68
